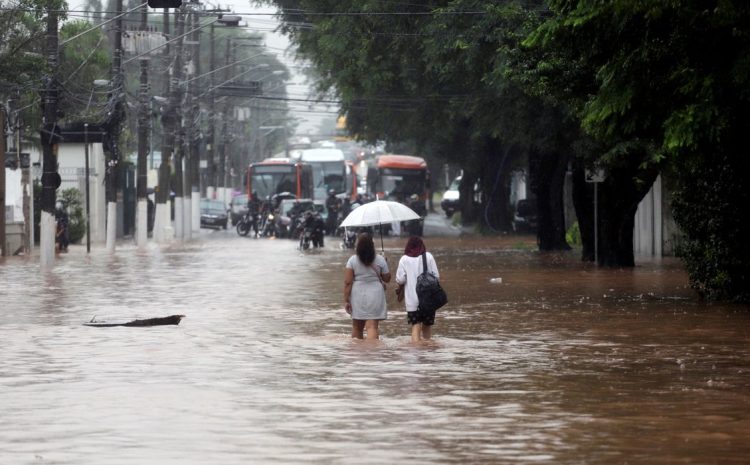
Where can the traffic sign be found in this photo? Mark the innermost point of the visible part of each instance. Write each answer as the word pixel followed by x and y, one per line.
pixel 595 175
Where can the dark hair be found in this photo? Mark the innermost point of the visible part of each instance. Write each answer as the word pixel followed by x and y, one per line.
pixel 415 247
pixel 365 248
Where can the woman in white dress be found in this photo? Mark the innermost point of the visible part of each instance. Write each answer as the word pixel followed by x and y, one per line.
pixel 364 288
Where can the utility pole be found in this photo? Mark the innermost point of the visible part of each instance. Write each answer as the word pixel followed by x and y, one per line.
pixel 195 139
pixel 175 108
pixel 143 145
pixel 224 130
pixel 211 143
pixel 113 126
pixel 162 219
pixel 3 243
pixel 49 136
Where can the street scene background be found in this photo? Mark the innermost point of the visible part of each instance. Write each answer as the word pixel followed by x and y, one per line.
pixel 561 362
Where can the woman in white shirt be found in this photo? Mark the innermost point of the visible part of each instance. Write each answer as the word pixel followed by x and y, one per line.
pixel 409 268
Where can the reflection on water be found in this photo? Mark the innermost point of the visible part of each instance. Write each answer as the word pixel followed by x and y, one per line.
pixel 560 363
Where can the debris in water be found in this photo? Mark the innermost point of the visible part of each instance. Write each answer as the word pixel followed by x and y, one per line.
pixel 166 320
pixel 496 280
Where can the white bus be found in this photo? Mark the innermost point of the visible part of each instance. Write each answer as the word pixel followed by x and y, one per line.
pixel 329 170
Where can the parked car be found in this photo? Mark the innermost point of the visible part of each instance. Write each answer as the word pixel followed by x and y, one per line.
pixel 213 214
pixel 525 216
pixel 450 204
pixel 237 207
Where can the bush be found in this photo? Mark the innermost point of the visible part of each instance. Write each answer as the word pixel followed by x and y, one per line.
pixel 707 204
pixel 71 200
pixel 573 235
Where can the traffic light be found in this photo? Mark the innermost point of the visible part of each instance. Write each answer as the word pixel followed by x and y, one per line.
pixel 164 3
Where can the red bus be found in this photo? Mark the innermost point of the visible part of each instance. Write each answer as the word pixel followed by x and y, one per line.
pixel 399 177
pixel 277 175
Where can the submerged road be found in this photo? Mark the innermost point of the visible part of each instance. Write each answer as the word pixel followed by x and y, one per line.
pixel 538 358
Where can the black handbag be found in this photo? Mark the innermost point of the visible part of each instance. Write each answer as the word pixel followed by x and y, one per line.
pixel 429 291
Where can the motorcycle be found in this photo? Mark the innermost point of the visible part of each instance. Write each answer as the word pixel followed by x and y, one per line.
pixel 312 231
pixel 268 227
pixel 247 222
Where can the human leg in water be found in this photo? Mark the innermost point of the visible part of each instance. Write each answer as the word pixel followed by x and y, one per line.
pixel 373 333
pixel 416 332
pixel 426 331
pixel 358 328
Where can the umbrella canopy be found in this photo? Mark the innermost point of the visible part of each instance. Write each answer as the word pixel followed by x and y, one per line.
pixel 379 212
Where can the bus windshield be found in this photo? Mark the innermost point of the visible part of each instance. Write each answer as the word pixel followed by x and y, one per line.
pixel 328 175
pixel 266 181
pixel 402 183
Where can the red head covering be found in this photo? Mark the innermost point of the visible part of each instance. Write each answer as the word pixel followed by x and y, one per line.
pixel 415 247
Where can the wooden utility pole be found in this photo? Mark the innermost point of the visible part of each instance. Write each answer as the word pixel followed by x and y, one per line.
pixel 211 143
pixel 112 136
pixel 223 168
pixel 143 144
pixel 163 217
pixel 194 127
pixel 175 107
pixel 3 242
pixel 49 136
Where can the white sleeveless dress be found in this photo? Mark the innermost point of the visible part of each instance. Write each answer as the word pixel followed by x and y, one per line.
pixel 368 297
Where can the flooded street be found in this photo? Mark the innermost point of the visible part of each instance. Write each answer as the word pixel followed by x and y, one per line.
pixel 560 363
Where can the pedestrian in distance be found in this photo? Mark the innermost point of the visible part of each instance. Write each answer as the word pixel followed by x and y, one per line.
pixel 365 278
pixel 409 268
pixel 333 206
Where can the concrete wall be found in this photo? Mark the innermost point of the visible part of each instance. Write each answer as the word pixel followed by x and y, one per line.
pixel 71 165
pixel 655 232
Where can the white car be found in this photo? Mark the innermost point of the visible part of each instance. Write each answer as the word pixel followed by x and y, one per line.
pixel 450 204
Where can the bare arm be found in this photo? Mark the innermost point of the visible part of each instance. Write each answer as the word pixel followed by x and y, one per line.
pixel 386 277
pixel 348 281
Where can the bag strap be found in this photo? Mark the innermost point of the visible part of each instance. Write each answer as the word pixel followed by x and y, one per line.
pixel 377 274
pixel 424 263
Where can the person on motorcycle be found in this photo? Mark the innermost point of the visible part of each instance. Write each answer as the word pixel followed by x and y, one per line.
pixel 253 210
pixel 333 207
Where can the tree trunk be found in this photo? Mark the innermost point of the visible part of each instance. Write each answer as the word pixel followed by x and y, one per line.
pixel 466 197
pixel 547 174
pixel 618 199
pixel 583 201
pixel 495 213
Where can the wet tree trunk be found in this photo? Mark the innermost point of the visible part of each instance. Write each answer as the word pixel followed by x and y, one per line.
pixel 583 201
pixel 618 199
pixel 495 213
pixel 466 197
pixel 547 174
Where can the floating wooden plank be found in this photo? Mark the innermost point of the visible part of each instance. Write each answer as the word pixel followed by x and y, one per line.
pixel 159 321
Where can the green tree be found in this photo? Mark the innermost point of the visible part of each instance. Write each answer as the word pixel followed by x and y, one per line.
pixel 21 45
pixel 22 58
pixel 376 64
pixel 667 90
pixel 82 61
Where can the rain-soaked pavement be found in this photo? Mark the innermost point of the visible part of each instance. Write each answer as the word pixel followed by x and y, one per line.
pixel 560 363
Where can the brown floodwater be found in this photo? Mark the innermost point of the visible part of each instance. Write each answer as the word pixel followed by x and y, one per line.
pixel 559 363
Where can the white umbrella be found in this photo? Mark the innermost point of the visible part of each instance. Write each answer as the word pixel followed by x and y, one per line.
pixel 377 213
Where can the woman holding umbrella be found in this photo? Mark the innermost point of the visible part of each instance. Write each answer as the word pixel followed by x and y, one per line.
pixel 364 288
